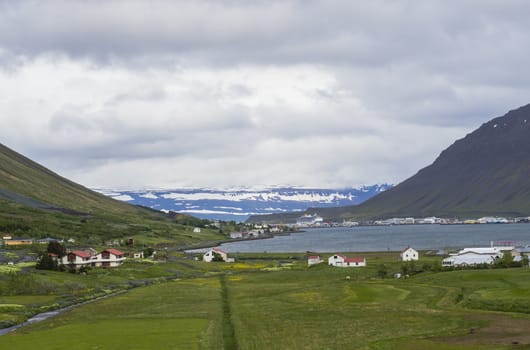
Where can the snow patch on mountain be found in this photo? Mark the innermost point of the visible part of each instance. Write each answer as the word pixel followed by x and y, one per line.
pixel 238 204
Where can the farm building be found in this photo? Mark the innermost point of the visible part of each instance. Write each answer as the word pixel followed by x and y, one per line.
pixel 210 254
pixel 107 258
pixel 343 261
pixel 409 254
pixel 313 260
pixel 110 258
pixel 77 258
pixel 17 241
pixel 475 256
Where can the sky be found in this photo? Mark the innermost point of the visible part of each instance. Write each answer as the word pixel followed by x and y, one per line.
pixel 223 94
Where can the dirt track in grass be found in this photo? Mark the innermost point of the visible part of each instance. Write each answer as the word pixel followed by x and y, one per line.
pixel 493 329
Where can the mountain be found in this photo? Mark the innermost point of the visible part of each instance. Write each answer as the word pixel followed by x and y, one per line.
pixel 37 202
pixel 485 173
pixel 239 204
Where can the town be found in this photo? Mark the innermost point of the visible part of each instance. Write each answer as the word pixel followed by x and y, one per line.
pixel 314 220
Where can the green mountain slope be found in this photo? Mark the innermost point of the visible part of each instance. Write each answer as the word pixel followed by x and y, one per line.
pixel 37 202
pixel 485 173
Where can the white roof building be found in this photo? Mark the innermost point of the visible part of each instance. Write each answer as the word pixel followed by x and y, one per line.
pixel 475 256
pixel 309 220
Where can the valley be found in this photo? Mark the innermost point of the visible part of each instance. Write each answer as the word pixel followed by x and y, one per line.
pixel 276 301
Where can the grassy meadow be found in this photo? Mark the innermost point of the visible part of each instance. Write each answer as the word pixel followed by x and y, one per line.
pixel 277 302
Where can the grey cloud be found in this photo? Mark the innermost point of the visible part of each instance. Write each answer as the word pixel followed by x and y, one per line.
pixel 346 91
pixel 372 33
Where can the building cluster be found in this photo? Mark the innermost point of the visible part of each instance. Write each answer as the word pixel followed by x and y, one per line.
pixel 314 220
pixel 339 260
pixel 257 231
pixel 90 258
pixel 445 221
pixel 10 241
pixel 484 255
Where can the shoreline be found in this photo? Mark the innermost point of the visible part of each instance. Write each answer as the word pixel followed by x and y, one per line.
pixel 214 244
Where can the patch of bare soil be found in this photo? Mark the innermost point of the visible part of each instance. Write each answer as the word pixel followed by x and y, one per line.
pixel 493 329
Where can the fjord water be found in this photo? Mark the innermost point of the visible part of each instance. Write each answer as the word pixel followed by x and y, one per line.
pixel 383 238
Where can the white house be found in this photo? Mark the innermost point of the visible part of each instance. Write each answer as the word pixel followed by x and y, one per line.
pixel 197 230
pixel 77 259
pixel 313 260
pixel 110 258
pixel 343 261
pixel 210 254
pixel 236 235
pixel 474 256
pixel 107 258
pixel 409 254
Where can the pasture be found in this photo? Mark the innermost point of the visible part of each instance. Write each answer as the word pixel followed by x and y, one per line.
pixel 279 303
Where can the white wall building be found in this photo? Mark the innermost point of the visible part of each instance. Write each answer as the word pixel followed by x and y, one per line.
pixel 309 220
pixel 210 254
pixel 409 254
pixel 110 258
pixel 475 256
pixel 107 258
pixel 343 261
pixel 313 260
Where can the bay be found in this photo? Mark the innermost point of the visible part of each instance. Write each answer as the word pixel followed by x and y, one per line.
pixel 387 238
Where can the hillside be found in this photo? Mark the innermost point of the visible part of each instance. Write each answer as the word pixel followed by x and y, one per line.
pixel 38 202
pixel 485 173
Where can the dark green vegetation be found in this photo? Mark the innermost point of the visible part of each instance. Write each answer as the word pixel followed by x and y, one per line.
pixel 277 302
pixel 36 202
pixel 485 173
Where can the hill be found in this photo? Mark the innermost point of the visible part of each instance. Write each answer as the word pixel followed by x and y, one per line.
pixel 37 202
pixel 485 173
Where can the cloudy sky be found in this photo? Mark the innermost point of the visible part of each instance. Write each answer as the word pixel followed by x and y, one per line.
pixel 330 93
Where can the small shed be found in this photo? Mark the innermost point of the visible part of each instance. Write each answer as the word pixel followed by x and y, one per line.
pixel 313 260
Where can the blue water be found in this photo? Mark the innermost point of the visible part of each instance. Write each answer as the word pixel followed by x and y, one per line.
pixel 383 238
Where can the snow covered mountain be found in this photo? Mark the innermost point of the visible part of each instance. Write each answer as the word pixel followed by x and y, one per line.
pixel 239 204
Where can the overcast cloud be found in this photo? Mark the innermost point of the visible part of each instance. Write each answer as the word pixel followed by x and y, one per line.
pixel 169 94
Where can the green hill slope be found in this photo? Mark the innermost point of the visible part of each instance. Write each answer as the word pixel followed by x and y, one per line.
pixel 37 202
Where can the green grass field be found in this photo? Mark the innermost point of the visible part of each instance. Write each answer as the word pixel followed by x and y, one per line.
pixel 258 303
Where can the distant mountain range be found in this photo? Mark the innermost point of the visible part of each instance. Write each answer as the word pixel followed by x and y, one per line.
pixel 485 173
pixel 239 204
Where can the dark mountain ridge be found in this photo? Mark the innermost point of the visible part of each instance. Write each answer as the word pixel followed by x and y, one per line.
pixel 485 173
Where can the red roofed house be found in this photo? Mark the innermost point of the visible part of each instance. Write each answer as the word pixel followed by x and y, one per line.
pixel 110 258
pixel 107 258
pixel 343 261
pixel 313 260
pixel 210 254
pixel 77 258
